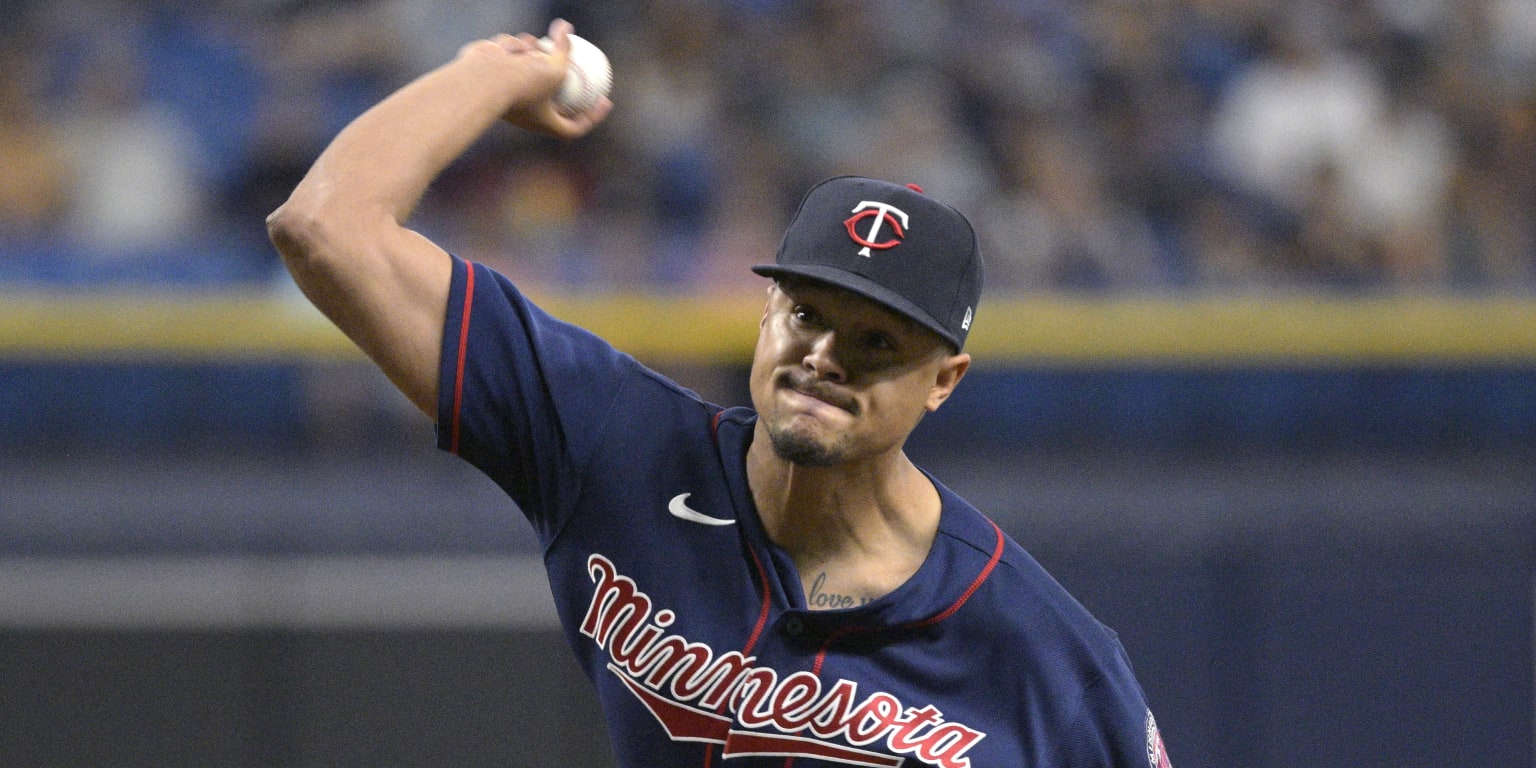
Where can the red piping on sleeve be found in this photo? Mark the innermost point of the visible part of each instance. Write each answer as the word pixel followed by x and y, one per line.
pixel 458 373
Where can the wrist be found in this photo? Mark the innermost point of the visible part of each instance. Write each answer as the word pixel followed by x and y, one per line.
pixel 508 79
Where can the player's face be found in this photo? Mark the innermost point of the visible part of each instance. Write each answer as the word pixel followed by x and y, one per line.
pixel 837 377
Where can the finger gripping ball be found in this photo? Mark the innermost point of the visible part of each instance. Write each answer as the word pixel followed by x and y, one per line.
pixel 587 79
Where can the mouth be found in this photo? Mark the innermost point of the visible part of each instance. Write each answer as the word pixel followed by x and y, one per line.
pixel 820 392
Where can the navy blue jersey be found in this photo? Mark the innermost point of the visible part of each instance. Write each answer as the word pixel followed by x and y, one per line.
pixel 694 627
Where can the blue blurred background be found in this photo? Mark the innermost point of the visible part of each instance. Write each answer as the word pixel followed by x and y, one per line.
pixel 1256 363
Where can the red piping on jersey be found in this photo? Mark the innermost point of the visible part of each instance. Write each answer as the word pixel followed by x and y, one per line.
pixel 835 635
pixel 762 573
pixel 458 373
pixel 762 615
pixel 997 555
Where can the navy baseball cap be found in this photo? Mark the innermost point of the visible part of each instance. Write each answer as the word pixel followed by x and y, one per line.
pixel 890 243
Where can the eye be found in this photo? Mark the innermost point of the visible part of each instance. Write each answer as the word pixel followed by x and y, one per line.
pixel 879 341
pixel 805 314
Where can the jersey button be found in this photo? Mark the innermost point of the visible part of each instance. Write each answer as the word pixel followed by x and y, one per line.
pixel 794 626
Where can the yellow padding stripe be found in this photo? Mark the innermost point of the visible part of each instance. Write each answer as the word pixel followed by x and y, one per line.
pixel 1047 330
pixel 1300 329
pixel 238 326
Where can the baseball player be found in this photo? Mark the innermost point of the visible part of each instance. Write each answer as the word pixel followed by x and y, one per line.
pixel 768 586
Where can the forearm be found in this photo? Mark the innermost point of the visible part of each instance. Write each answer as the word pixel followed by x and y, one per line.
pixel 383 161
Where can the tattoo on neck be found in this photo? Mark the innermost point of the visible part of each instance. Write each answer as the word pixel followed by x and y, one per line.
pixel 821 599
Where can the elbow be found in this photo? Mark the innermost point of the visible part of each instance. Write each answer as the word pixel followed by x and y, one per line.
pixel 316 242
pixel 296 232
pixel 329 244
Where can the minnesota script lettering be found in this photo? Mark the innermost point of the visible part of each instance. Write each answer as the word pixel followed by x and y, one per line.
pixel 700 695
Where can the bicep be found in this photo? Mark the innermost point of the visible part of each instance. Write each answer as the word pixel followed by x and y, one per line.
pixel 388 293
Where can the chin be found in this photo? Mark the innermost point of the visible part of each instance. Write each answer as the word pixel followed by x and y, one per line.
pixel 805 450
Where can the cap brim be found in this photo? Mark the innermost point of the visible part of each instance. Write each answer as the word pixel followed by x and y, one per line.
pixel 862 286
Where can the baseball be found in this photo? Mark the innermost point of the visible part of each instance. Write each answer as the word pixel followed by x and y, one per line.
pixel 586 81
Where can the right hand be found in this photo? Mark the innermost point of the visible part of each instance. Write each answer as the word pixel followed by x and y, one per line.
pixel 543 70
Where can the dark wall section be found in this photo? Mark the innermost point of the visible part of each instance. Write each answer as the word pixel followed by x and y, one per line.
pixel 269 407
pixel 1399 408
pixel 276 699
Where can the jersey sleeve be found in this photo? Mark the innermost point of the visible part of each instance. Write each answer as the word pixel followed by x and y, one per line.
pixel 1115 728
pixel 523 396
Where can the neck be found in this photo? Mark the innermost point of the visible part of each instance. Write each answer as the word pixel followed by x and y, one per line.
pixel 873 519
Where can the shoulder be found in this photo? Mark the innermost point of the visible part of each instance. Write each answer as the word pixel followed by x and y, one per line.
pixel 1024 607
pixel 490 314
pixel 1075 696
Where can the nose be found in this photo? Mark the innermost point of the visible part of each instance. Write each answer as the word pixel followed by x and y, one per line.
pixel 822 359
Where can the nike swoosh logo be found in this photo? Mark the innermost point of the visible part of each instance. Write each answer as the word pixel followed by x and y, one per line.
pixel 680 510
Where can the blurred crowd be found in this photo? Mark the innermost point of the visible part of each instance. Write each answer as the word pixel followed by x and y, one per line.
pixel 1098 145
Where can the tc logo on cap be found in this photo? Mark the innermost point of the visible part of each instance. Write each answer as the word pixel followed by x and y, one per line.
pixel 880 215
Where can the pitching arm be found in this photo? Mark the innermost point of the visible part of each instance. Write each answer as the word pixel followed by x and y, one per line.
pixel 342 232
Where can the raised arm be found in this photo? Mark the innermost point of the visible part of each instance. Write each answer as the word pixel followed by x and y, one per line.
pixel 342 232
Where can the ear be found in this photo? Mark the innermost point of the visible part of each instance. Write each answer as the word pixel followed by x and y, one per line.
pixel 773 293
pixel 951 370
